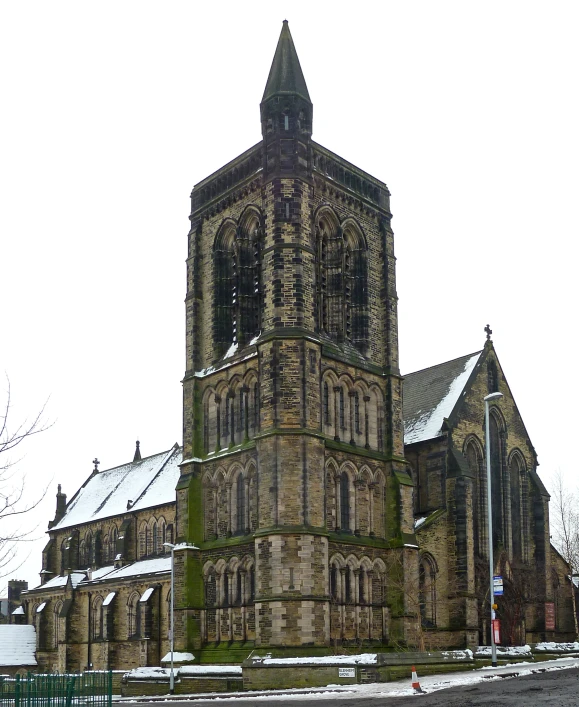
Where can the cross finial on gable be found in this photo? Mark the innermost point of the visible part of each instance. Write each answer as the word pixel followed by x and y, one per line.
pixel 96 463
pixel 488 331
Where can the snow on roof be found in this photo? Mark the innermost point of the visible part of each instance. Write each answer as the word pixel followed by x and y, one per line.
pixel 17 645
pixel 146 595
pixel 147 482
pixel 109 597
pixel 178 657
pixel 158 565
pixel 430 396
pixel 18 612
pixel 101 572
pixel 61 580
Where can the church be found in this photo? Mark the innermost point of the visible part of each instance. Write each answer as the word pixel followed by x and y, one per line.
pixel 319 499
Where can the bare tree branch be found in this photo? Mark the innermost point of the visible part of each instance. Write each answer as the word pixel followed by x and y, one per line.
pixel 564 516
pixel 13 490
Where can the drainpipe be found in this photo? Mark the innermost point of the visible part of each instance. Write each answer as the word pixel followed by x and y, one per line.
pixel 89 651
pixel 159 619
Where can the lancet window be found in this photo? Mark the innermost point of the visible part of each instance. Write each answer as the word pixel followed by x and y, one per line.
pixel 342 299
pixel 237 282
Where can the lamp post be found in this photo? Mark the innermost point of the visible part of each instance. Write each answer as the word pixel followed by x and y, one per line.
pixel 181 546
pixel 489 398
pixel 172 642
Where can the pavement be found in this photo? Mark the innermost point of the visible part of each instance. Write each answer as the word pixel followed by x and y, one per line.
pixel 398 688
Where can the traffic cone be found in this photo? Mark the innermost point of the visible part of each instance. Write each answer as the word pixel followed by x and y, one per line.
pixel 415 683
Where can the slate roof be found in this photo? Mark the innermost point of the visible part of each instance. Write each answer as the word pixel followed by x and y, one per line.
pixel 154 565
pixel 147 482
pixel 431 394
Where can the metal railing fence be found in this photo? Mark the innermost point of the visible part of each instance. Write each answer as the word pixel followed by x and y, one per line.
pixel 53 690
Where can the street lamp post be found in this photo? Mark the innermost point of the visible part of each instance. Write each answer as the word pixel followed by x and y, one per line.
pixel 172 642
pixel 489 398
pixel 172 547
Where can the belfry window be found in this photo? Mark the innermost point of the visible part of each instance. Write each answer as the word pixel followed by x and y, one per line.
pixel 341 289
pixel 237 284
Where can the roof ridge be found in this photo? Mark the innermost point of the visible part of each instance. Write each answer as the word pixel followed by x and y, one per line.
pixel 436 365
pixel 174 450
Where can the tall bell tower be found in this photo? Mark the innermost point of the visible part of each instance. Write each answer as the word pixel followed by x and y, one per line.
pixel 294 487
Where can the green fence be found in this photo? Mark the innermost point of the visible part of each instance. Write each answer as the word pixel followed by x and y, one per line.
pixel 93 689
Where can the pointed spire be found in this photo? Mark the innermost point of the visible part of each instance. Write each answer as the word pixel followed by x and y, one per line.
pixel 285 75
pixel 137 457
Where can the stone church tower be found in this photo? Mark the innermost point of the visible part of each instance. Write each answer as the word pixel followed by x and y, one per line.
pixel 293 484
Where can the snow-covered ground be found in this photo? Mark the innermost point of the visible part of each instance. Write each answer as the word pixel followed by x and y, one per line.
pixel 399 688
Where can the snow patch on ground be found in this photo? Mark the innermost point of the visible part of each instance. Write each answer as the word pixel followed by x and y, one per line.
pixel 362 659
pixel 511 651
pixel 557 647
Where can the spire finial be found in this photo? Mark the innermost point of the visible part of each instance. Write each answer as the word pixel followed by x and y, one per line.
pixel 286 76
pixel 488 332
pixel 137 457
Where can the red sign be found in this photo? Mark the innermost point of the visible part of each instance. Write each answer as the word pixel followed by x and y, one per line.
pixel 496 631
pixel 549 616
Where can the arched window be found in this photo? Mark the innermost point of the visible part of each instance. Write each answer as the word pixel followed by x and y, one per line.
pixel 362 587
pixel 63 557
pixel 474 460
pixel 326 403
pixel 342 410
pixel 154 547
pixel 133 616
pixel 357 413
pixel 333 583
pixel 113 543
pixel 497 490
pixel 56 623
pixel 252 584
pixel 147 541
pixel 256 407
pixel 210 589
pixel 224 290
pixel 239 587
pixel 342 281
pixel 237 292
pixel 515 479
pixel 240 504
pixel 492 376
pixel 427 591
pixel 344 501
pixel 348 586
pixel 97 618
pixel 225 598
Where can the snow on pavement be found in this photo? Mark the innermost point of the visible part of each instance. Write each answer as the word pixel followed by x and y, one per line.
pixel 399 688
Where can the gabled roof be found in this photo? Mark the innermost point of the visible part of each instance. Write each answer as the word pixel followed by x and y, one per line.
pixel 146 483
pixel 285 75
pixel 431 394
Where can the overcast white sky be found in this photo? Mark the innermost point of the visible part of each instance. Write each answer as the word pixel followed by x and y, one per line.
pixel 112 111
